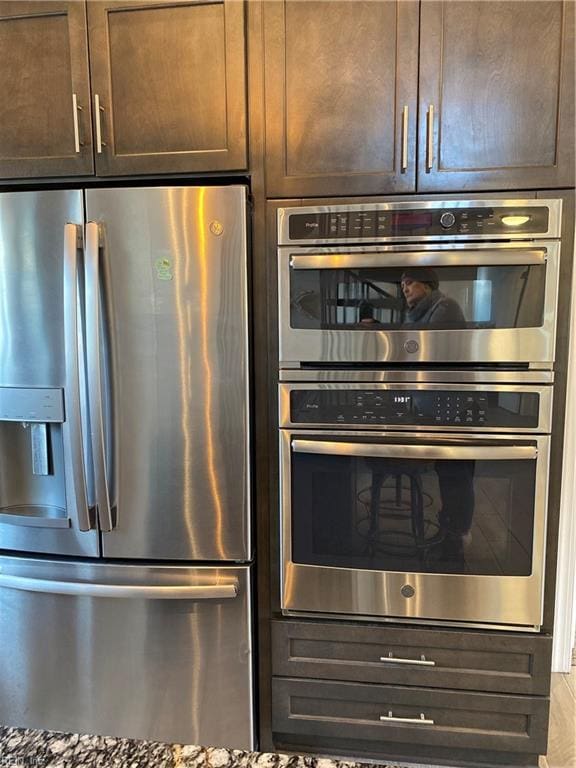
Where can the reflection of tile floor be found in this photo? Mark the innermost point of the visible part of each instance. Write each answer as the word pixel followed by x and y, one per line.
pixel 492 551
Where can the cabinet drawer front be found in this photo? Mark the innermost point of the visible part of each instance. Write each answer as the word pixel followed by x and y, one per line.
pixel 479 661
pixel 302 708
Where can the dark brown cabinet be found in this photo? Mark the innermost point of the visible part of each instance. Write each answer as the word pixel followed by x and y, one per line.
pixel 340 82
pixel 166 90
pixel 168 83
pixel 349 688
pixel 495 96
pixel 45 105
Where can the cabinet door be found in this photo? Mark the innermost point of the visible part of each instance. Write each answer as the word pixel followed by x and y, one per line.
pixel 340 90
pixel 45 104
pixel 168 83
pixel 496 95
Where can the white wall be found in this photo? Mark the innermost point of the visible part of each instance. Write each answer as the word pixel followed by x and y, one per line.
pixel 565 617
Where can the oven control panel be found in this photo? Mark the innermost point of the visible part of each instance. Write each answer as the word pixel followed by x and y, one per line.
pixel 366 224
pixel 405 407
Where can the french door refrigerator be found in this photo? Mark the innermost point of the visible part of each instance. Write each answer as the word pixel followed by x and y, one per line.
pixel 125 546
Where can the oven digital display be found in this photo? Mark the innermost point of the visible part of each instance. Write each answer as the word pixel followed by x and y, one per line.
pixel 411 220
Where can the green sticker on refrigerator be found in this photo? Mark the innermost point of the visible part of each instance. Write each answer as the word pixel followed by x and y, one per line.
pixel 163 269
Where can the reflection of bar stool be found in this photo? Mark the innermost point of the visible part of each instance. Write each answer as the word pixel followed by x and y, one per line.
pixel 390 539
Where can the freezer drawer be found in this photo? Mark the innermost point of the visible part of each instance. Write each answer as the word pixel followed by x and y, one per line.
pixel 162 653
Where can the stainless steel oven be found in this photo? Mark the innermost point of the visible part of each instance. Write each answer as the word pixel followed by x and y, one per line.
pixel 490 269
pixel 415 495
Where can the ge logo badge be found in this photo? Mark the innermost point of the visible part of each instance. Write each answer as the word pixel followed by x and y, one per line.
pixel 411 346
pixel 407 591
pixel 216 227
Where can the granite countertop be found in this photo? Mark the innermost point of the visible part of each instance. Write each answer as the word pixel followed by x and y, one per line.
pixel 20 748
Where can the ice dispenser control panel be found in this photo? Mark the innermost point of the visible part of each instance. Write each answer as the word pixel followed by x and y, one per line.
pixel 36 405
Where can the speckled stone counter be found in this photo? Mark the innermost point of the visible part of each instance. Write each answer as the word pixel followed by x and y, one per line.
pixel 21 748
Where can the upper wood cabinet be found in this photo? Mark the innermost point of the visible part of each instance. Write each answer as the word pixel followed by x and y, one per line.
pixel 45 97
pixel 340 89
pixel 495 91
pixel 166 90
pixel 496 95
pixel 168 83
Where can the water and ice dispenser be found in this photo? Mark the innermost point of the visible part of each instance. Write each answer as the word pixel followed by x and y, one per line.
pixel 32 478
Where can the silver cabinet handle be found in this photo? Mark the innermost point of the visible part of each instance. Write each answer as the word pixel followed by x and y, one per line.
pixel 144 592
pixel 93 326
pixel 422 720
pixel 72 427
pixel 75 109
pixel 429 138
pixel 422 661
pixel 97 109
pixel 485 257
pixel 394 451
pixel 404 158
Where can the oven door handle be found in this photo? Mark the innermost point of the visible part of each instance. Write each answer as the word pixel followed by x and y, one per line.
pixel 394 451
pixel 488 257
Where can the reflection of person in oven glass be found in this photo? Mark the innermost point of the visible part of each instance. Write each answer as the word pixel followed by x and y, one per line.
pixel 456 481
pixel 426 304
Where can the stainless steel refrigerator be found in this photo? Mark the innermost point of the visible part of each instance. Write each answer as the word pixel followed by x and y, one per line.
pixel 125 546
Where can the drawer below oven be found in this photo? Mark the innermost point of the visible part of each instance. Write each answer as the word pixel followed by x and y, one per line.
pixel 480 661
pixel 416 716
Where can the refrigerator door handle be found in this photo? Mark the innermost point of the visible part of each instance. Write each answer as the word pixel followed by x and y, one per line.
pixel 130 591
pixel 76 494
pixel 93 328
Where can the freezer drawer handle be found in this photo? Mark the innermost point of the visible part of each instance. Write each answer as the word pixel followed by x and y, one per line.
pixel 422 661
pixel 130 591
pixel 422 720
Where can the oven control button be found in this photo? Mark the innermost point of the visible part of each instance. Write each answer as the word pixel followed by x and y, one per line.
pixel 411 345
pixel 447 219
pixel 408 591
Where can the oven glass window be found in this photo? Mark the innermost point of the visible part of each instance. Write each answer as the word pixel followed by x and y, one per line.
pixel 413 515
pixel 388 298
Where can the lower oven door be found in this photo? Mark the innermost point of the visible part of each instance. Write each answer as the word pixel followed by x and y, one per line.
pixel 443 527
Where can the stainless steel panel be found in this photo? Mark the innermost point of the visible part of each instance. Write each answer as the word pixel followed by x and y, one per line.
pixel 554 221
pixel 421 375
pixel 499 600
pixel 174 306
pixel 129 663
pixel 544 393
pixel 39 338
pixel 31 285
pixel 515 345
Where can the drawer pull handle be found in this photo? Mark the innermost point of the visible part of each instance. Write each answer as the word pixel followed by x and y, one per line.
pixel 422 661
pixel 422 720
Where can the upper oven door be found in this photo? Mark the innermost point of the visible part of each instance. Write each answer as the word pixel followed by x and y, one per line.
pixel 486 303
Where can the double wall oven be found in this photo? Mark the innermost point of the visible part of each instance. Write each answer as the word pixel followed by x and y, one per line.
pixel 415 398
